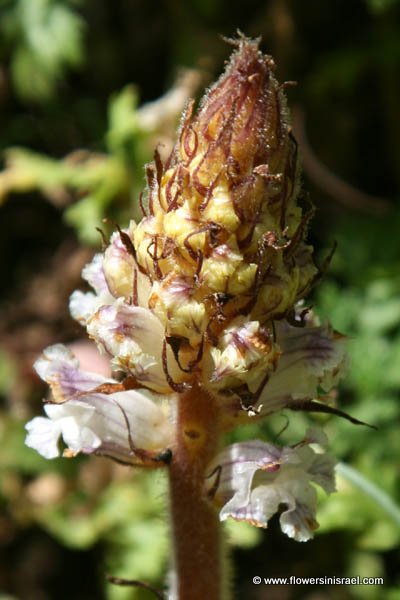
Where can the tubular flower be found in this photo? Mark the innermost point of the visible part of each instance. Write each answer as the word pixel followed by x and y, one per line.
pixel 94 415
pixel 252 479
pixel 202 297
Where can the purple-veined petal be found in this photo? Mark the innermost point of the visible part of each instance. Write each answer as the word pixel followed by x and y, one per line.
pixel 119 424
pixel 114 425
pixel 60 369
pixel 244 354
pixel 134 337
pixel 252 479
pixel 173 303
pixel 312 358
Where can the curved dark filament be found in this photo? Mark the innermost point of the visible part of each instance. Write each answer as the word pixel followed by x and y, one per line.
pixel 199 356
pixel 187 115
pixel 175 345
pixel 211 336
pixel 179 173
pixel 130 248
pixel 208 114
pixel 159 166
pixel 171 158
pixel 176 387
pixel 135 298
pixel 141 205
pixel 145 456
pixel 127 242
pixel 282 430
pixel 151 183
pixel 239 192
pixel 220 299
pixel 226 128
pixel 242 97
pixel 248 238
pixel 213 490
pixel 202 189
pixel 200 258
pixel 209 193
pixel 274 336
pixel 299 233
pixel 190 152
pixel 255 111
pixel 154 257
pixel 248 400
pixel 255 396
pixel 104 240
pixel 135 583
pixel 174 203
pixel 213 228
pixel 313 406
pixel 168 187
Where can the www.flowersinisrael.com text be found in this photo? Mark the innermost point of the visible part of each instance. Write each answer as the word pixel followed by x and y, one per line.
pixel 292 580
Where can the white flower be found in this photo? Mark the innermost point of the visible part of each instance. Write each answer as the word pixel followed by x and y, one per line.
pixel 132 426
pixel 134 337
pixel 83 305
pixel 252 479
pixel 312 359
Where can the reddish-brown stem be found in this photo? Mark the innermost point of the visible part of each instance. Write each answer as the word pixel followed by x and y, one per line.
pixel 195 525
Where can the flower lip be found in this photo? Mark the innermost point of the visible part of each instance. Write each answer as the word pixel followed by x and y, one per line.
pixel 131 426
pixel 252 479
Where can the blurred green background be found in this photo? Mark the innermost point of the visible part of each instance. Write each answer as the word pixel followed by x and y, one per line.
pixel 87 89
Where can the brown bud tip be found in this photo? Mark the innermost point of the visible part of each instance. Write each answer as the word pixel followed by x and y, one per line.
pixel 243 114
pixel 240 136
pixel 238 104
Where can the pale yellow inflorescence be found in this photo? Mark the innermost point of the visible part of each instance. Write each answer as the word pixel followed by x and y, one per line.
pixel 220 253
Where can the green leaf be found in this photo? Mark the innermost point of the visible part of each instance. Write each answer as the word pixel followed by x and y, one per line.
pixel 49 38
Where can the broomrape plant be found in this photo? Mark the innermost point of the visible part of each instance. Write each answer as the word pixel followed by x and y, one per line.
pixel 197 307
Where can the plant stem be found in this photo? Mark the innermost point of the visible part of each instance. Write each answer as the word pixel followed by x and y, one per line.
pixel 195 524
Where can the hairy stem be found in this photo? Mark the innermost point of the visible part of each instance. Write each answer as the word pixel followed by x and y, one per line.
pixel 195 524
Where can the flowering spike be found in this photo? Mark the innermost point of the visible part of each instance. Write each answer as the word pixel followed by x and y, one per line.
pixel 197 306
pixel 224 220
